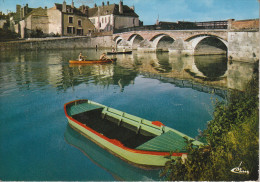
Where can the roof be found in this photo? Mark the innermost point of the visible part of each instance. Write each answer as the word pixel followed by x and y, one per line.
pixel 75 10
pixel 111 9
pixel 37 12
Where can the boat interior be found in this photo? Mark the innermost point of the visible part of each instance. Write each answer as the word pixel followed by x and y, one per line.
pixel 132 131
pixel 129 135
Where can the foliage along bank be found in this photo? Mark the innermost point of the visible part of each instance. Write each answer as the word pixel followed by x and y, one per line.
pixel 232 139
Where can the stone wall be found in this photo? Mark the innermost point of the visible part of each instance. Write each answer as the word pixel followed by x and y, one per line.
pixel 124 22
pixel 243 46
pixel 40 22
pixel 55 21
pixel 59 43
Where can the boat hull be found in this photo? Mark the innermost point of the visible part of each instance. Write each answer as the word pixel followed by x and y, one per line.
pixel 92 61
pixel 142 160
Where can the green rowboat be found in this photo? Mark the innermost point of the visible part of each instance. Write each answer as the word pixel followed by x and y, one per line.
pixel 136 140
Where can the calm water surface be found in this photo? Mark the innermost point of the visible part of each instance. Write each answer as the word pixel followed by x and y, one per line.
pixel 36 142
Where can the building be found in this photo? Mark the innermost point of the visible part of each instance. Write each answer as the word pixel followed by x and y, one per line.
pixel 16 17
pixel 3 20
pixel 62 19
pixel 67 20
pixel 36 20
pixel 112 16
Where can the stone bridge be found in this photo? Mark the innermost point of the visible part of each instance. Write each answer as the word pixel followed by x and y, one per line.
pixel 188 42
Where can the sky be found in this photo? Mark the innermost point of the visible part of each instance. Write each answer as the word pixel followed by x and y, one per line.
pixel 166 10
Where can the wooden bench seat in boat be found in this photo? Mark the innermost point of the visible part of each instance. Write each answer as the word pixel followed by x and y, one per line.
pixel 168 141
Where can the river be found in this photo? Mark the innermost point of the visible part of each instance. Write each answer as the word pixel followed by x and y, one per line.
pixel 36 142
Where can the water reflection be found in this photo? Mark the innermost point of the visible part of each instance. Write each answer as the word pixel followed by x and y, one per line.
pixel 209 68
pixel 52 68
pixel 119 169
pixel 240 73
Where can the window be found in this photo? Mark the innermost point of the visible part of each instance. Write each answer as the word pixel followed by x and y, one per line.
pixel 70 19
pixel 71 30
pixel 79 31
pixel 79 23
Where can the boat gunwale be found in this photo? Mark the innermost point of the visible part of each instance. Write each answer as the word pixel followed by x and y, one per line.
pixel 116 142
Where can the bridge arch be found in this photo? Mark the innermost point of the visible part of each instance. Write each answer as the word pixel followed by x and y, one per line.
pixel 208 44
pixel 135 40
pixel 117 40
pixel 162 42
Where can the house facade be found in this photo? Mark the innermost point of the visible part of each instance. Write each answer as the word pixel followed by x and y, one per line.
pixel 67 20
pixel 112 16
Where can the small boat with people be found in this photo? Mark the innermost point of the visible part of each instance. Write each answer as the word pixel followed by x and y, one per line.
pixel 143 143
pixel 99 61
pixel 102 59
pixel 122 52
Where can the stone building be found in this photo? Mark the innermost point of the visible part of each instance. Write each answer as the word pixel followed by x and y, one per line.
pixel 37 19
pixel 112 16
pixel 69 21
pixel 62 19
pixel 16 17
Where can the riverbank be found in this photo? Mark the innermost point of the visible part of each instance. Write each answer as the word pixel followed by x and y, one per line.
pixel 58 43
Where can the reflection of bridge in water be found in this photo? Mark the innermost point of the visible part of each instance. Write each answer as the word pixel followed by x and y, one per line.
pixel 189 84
pixel 214 70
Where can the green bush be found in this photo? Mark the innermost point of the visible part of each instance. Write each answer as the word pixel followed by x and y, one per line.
pixel 232 137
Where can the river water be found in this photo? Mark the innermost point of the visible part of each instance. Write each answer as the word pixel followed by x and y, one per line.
pixel 36 142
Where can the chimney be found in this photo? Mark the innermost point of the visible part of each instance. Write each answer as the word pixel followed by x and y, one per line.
pixel 95 5
pixel 64 7
pixel 72 4
pixel 121 7
pixel 108 3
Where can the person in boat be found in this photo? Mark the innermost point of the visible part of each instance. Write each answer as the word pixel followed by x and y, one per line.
pixel 81 58
pixel 113 49
pixel 123 49
pixel 103 57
